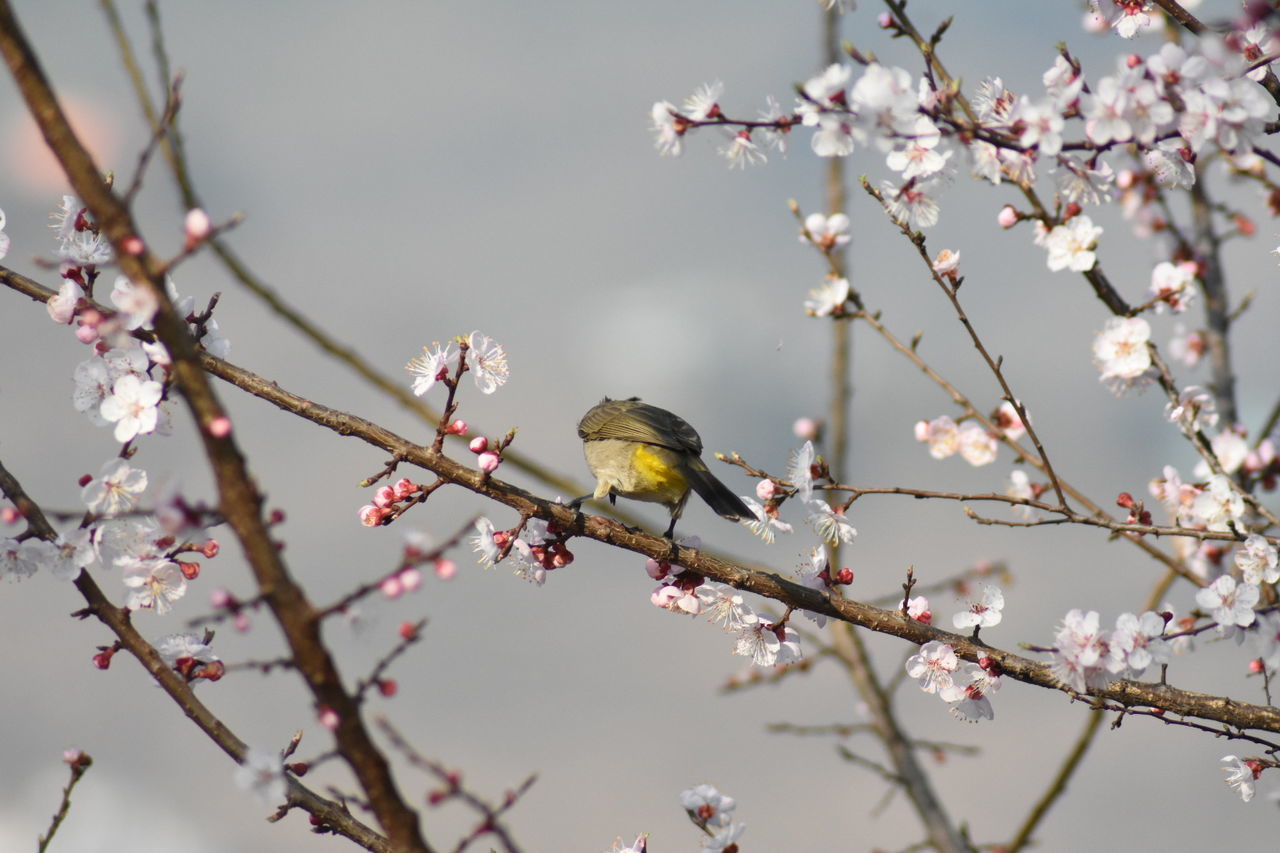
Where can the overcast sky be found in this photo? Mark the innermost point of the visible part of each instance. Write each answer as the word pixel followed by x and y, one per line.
pixel 413 171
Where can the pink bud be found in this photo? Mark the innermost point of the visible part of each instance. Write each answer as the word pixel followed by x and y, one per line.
pixel 410 579
pixel 657 570
pixel 384 497
pixel 329 718
pixel 1133 60
pixel 210 548
pixel 844 576
pixel 489 462
pixel 446 569
pixel 220 427
pixel 766 489
pixel 9 515
pixel 1008 217
pixel 391 587
pixel 197 225
pixel 86 334
pixel 190 571
pixel 458 427
pixel 806 428
pixel 479 444
pixel 371 516
pixel 132 245
pixel 241 622
pixel 407 631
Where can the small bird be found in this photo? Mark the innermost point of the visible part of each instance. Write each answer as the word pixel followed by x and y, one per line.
pixel 645 453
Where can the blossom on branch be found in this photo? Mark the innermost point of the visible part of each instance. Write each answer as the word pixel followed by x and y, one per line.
pixel 1121 349
pixel 1071 244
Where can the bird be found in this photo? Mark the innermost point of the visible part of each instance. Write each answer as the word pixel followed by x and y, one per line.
pixel 646 453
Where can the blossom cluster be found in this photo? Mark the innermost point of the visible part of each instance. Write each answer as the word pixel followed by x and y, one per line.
pixel 762 639
pixel 117 384
pixel 976 444
pixel 963 685
pixel 147 548
pixel 149 534
pixel 1172 105
pixel 1087 657
pixel 484 357
pixel 1217 504
pixel 537 549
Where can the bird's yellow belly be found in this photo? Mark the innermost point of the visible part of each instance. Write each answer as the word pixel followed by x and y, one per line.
pixel 637 471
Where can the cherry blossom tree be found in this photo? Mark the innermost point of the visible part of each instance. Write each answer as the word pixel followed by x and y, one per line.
pixel 1164 148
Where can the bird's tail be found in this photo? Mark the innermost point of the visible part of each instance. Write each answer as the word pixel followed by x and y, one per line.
pixel 717 495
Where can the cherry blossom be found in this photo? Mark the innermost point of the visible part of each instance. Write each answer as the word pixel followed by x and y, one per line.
pixel 433 365
pixel 132 406
pixel 969 692
pixel 933 666
pixel 976 446
pixel 484 543
pixel 1172 285
pixel 704 102
pixel 1081 648
pixel 261 774
pixel 760 641
pixel 942 435
pixel 1071 244
pixel 1229 604
pixel 487 361
pixel 800 471
pixel 725 606
pixel 1241 775
pixel 830 523
pixel 828 298
pixel 62 307
pixel 1256 558
pixel 116 489
pixel 1219 505
pixel 741 152
pixel 985 613
pixel 1121 348
pixel 826 232
pixel 668 129
pixel 707 805
pixel 766 524
pixel 1194 411
pixel 1136 643
pixel 154 583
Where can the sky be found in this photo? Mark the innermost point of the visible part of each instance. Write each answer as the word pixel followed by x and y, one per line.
pixel 414 171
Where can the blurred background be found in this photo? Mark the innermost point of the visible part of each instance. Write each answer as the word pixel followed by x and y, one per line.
pixel 413 171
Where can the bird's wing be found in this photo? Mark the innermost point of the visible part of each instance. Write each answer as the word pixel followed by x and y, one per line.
pixel 632 420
